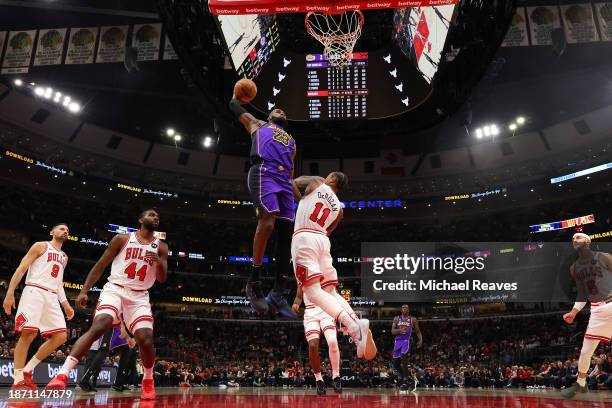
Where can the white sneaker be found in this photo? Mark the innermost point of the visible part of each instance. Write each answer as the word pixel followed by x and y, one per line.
pixel 360 336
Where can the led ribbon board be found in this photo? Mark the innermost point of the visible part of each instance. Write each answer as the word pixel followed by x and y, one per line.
pixel 558 225
pixel 581 173
pixel 242 7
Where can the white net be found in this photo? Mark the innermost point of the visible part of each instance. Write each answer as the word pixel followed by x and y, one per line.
pixel 338 33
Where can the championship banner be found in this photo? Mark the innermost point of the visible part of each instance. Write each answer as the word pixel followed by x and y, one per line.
pixel 111 46
pixel 81 45
pixel 169 52
pixel 238 7
pixel 542 21
pixel 18 53
pixel 50 47
pixel 146 39
pixel 604 18
pixel 517 35
pixel 579 23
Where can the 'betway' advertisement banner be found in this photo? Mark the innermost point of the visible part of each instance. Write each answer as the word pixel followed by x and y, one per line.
pixel 486 271
pixel 44 372
pixel 241 7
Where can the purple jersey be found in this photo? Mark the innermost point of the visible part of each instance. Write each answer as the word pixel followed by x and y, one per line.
pixel 403 323
pixel 402 340
pixel 273 146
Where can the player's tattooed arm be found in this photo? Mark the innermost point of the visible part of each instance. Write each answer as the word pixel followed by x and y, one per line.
pixel 417 330
pixel 394 330
pixel 114 247
pixel 250 122
pixel 35 251
pixel 162 265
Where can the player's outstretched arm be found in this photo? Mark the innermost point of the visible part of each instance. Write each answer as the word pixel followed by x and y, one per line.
pixel 34 252
pixel 250 122
pixel 417 330
pixel 114 247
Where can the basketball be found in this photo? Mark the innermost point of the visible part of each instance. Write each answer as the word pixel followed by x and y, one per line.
pixel 245 90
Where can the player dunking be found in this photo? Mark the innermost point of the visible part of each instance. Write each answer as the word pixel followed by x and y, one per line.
pixel 39 305
pixel 318 215
pixel 402 329
pixel 592 272
pixel 269 181
pixel 315 322
pixel 138 259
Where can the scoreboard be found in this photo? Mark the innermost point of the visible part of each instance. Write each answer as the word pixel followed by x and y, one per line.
pixel 337 92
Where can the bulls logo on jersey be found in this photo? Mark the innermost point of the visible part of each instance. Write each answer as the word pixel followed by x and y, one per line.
pixel 154 245
pixel 137 253
pixel 56 257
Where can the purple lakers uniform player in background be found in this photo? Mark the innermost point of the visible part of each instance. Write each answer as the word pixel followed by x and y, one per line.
pixel 269 182
pixel 402 329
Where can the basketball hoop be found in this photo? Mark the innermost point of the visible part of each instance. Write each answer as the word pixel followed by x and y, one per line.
pixel 338 33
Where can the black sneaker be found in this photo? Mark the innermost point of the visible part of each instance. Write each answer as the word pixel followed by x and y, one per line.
pixel 571 391
pixel 118 388
pixel 256 296
pixel 321 388
pixel 277 302
pixel 403 387
pixel 337 384
pixel 85 386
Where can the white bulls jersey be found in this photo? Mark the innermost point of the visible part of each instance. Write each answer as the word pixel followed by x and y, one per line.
pixel 130 269
pixel 47 271
pixel 317 210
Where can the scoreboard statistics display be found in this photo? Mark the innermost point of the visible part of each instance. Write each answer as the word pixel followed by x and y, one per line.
pixel 337 93
pixel 378 84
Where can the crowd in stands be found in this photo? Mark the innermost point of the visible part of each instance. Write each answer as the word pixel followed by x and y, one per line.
pixel 496 352
pixel 525 351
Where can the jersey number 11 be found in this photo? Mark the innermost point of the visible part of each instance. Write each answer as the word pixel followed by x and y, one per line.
pixel 314 217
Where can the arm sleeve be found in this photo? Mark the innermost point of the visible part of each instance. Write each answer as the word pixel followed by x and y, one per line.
pixel 236 108
pixel 579 305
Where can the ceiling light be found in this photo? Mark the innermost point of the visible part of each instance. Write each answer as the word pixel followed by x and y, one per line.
pixel 494 130
pixel 170 132
pixel 486 130
pixel 512 127
pixel 177 138
pixel 479 133
pixel 74 107
pixel 18 82
pixel 39 91
pixel 520 120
